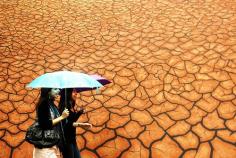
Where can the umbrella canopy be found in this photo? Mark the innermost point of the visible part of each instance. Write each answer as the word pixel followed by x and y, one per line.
pixel 100 79
pixel 65 79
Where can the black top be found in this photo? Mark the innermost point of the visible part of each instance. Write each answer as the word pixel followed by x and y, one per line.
pixel 44 115
pixel 69 129
pixel 46 112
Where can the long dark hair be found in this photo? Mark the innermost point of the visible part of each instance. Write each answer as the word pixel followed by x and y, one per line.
pixel 44 97
pixel 66 100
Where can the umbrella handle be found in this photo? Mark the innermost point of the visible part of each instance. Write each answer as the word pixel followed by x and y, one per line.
pixel 65 99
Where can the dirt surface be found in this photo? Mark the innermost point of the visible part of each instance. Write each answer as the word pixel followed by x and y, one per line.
pixel 172 65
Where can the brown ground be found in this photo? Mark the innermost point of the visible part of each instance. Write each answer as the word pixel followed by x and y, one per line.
pixel 172 64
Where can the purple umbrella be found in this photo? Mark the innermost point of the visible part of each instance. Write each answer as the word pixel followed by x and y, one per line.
pixel 100 79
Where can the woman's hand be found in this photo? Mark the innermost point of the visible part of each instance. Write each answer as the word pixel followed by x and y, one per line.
pixel 83 125
pixel 65 113
pixel 80 110
pixel 87 125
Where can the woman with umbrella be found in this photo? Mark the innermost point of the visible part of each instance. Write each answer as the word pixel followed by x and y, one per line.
pixel 66 79
pixel 49 118
pixel 67 100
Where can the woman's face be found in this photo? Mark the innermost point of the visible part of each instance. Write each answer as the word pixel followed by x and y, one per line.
pixel 54 92
pixel 74 94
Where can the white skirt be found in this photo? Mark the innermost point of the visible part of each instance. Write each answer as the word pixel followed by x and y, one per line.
pixel 52 152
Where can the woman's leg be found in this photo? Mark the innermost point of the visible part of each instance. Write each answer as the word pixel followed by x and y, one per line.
pixel 52 152
pixel 76 151
pixel 69 152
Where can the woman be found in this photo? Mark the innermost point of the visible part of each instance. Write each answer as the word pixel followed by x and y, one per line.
pixel 70 148
pixel 49 118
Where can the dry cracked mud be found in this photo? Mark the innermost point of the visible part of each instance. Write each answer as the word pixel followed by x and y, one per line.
pixel 172 64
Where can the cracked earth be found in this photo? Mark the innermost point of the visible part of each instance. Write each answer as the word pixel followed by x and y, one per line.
pixel 172 64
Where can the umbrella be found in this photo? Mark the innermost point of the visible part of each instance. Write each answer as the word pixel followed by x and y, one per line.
pixel 100 79
pixel 65 79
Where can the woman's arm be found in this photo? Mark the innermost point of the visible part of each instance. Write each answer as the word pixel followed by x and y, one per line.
pixel 44 117
pixel 79 113
pixel 64 115
pixel 84 125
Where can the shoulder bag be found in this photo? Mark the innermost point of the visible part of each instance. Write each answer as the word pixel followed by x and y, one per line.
pixel 42 138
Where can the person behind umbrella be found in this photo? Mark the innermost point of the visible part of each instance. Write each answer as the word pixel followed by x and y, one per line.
pixel 70 148
pixel 49 117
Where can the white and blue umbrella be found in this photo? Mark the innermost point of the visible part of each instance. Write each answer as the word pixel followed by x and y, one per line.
pixel 65 79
